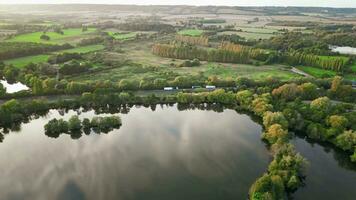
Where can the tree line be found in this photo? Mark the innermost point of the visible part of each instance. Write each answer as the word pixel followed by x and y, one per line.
pixel 10 50
pixel 224 54
pixel 329 63
pixel 201 40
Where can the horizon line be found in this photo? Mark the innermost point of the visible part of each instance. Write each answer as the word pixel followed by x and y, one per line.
pixel 123 4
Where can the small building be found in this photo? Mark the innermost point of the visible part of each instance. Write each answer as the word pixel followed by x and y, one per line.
pixel 210 87
pixel 168 88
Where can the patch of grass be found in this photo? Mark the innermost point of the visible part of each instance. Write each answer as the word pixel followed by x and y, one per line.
pixel 84 49
pixel 55 38
pixel 123 36
pixel 23 61
pixel 258 30
pixel 334 57
pixel 191 32
pixel 255 72
pixel 249 35
pixel 353 68
pixel 350 77
pixel 213 21
pixel 317 72
pixel 4 23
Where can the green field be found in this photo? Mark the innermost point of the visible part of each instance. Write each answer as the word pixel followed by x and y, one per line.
pixel 249 35
pixel 55 38
pixel 123 36
pixel 258 30
pixel 84 49
pixel 4 23
pixel 250 71
pixel 23 61
pixel 317 72
pixel 191 32
pixel 353 68
pixel 212 21
pixel 334 57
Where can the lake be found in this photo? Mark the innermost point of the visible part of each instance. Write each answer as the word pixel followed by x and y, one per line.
pixel 330 174
pixel 343 50
pixel 161 154
pixel 13 87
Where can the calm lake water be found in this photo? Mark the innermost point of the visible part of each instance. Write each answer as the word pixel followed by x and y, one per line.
pixel 330 174
pixel 162 154
pixel 13 87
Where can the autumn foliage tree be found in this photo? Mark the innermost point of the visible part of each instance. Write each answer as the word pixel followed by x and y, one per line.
pixel 201 40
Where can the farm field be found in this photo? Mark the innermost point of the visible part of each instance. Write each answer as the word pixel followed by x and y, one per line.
pixel 55 38
pixel 212 21
pixel 191 32
pixel 258 30
pixel 123 36
pixel 249 35
pixel 23 61
pixel 84 49
pixel 317 72
pixel 345 59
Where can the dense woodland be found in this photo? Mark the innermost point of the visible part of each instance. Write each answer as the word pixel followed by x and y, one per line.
pixel 225 54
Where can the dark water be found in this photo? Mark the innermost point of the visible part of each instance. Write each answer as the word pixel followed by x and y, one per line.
pixel 330 173
pixel 162 154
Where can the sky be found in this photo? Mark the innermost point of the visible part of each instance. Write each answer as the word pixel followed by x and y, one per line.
pixel 318 3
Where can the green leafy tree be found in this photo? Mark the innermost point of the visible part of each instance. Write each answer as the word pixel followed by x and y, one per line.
pixel 347 140
pixel 287 91
pixel 321 103
pixel 308 91
pixel 74 124
pixel 244 98
pixel 275 133
pixel 271 118
pixel 337 121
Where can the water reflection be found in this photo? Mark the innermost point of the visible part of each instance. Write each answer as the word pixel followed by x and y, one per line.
pixel 330 175
pixel 343 50
pixel 165 154
pixel 13 87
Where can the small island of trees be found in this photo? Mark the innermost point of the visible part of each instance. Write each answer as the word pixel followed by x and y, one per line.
pixel 74 126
